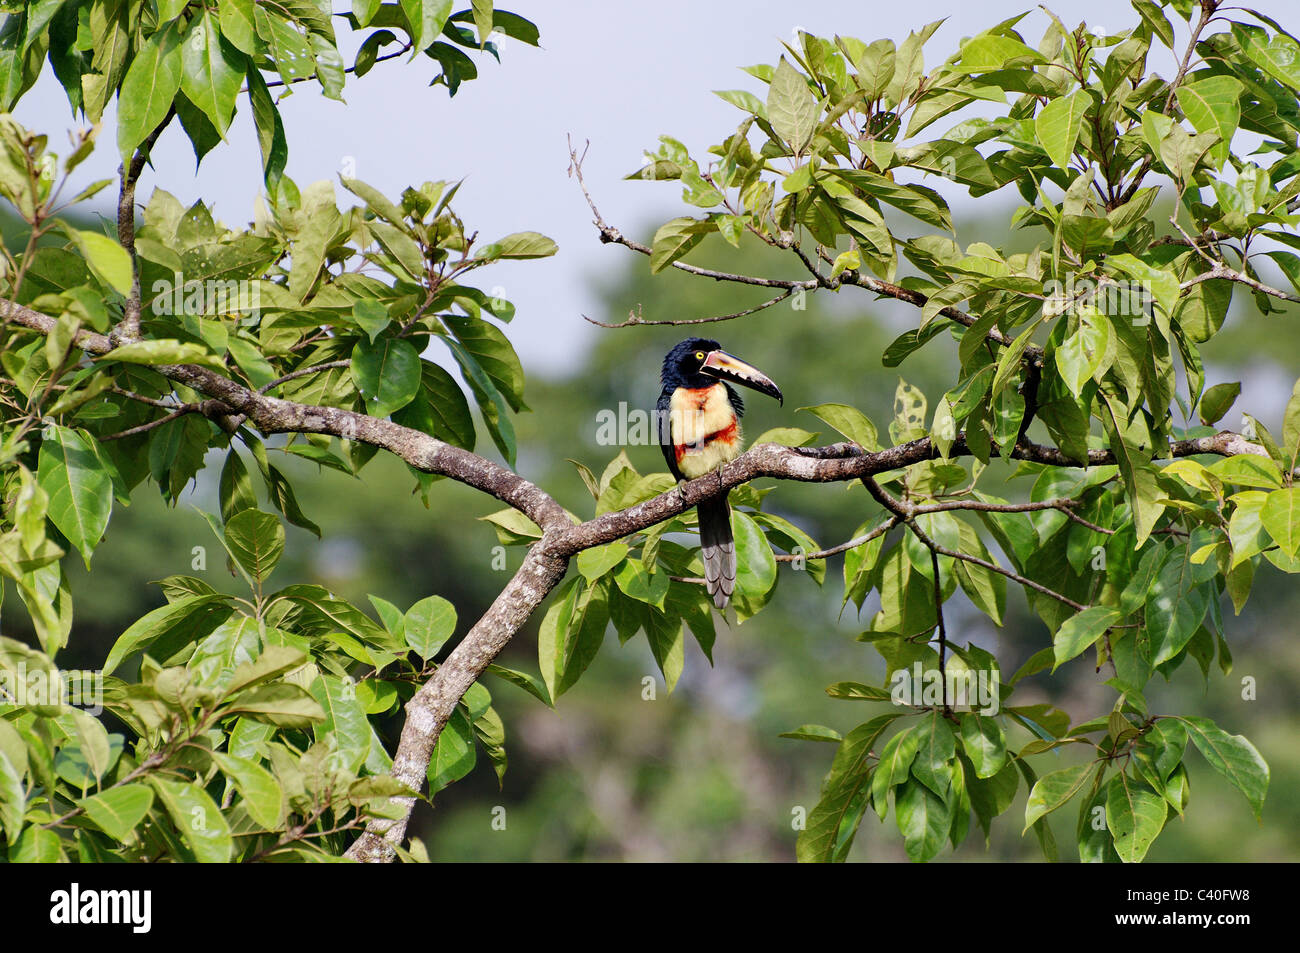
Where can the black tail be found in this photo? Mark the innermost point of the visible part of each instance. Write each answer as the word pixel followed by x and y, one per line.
pixel 719 550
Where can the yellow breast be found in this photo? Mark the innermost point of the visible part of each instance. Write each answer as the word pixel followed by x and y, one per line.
pixel 705 431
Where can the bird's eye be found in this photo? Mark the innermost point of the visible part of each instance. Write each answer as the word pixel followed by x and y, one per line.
pixel 699 355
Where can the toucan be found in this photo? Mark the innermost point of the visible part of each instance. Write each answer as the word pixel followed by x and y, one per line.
pixel 699 430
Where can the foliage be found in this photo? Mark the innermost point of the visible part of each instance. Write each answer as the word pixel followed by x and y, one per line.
pixel 247 731
pixel 250 729
pixel 1127 558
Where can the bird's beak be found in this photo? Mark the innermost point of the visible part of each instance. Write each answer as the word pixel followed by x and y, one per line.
pixel 723 365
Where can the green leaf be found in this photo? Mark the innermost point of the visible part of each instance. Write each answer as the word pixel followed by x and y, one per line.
pixel 237 25
pixel 791 107
pixel 387 374
pixel 813 733
pixel 1233 757
pixel 1081 630
pixel 283 704
pixel 1291 425
pixel 426 18
pixel 36 845
pixel 935 749
pixel 235 487
pixel 583 636
pixel 990 52
pixel 107 259
pixel 1217 401
pixel 256 540
pixel 117 810
pixel 453 756
pixel 13 799
pixel 984 742
pixel 345 720
pixel 160 621
pixel 637 582
pixel 1212 105
pixel 149 88
pixel 755 561
pixel 1135 815
pixel 270 129
pixel 212 71
pixel 166 351
pixel 875 66
pixel 1247 469
pixel 1052 791
pixel 428 625
pixel 274 660
pixel 924 819
pixel 917 201
pixel 1009 362
pixel 849 421
pixel 525 680
pixel 1278 55
pixel 856 691
pixel 440 409
pixel 524 245
pixel 1083 354
pixel 370 316
pixel 197 818
pixel 1280 515
pixel 1057 126
pixel 674 239
pixel 80 490
pixel 596 562
pixel 833 823
pixel 258 787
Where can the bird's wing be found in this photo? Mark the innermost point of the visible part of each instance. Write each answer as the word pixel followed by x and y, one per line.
pixel 665 433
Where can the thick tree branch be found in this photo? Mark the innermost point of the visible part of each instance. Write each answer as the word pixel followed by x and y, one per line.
pixel 430 707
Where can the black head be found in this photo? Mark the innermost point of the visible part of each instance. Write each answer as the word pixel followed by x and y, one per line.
pixel 700 362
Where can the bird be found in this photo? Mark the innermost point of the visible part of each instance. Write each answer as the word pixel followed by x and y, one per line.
pixel 699 430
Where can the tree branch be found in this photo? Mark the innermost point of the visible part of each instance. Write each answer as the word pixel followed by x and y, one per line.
pixel 129 329
pixel 634 318
pixel 1220 270
pixel 429 708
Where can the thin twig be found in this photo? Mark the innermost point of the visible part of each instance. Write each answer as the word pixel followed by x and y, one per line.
pixel 634 317
pixel 842 547
pixel 905 511
pixel 611 235
pixel 351 69
pixel 303 372
pixel 1221 270
pixel 153 424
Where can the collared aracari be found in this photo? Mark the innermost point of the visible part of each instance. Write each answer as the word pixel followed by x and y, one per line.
pixel 699 430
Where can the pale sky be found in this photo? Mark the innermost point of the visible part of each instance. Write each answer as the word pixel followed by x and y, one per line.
pixel 615 73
